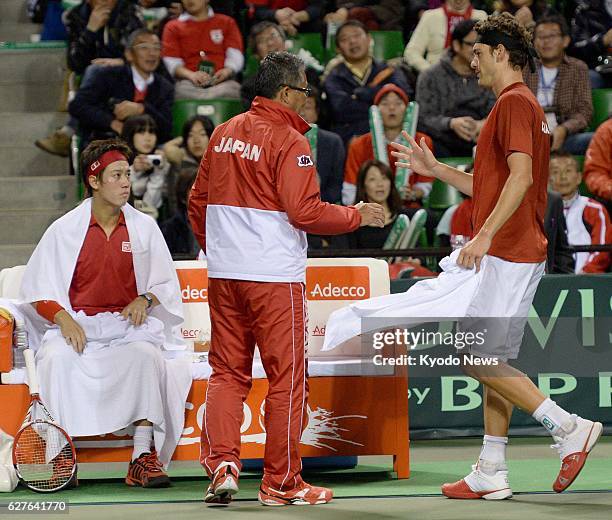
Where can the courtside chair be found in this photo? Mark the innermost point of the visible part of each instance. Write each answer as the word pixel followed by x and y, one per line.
pixel 218 110
pixel 602 106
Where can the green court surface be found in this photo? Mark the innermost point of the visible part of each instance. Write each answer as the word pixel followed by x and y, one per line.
pixel 368 491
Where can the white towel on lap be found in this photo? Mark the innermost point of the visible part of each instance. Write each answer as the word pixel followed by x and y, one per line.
pixel 120 377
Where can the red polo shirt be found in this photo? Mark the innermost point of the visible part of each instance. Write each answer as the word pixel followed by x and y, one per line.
pixel 103 279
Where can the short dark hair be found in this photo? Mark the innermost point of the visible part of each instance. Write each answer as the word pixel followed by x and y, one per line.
pixel 206 122
pixel 394 201
pixel 350 23
pixel 461 30
pixel 97 149
pixel 260 27
pixel 562 154
pixel 556 18
pixel 277 69
pixel 134 35
pixel 135 124
pixel 507 25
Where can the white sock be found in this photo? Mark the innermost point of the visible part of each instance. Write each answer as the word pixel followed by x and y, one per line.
pixel 143 435
pixel 493 455
pixel 555 419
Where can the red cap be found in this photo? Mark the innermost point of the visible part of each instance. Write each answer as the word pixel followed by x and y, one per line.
pixel 390 87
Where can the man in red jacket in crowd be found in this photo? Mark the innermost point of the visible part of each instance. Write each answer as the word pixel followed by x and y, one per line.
pixel 254 199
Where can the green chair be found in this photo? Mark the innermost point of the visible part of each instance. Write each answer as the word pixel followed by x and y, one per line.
pixel 602 106
pixel 387 44
pixel 443 196
pixel 457 162
pixel 308 41
pixel 218 110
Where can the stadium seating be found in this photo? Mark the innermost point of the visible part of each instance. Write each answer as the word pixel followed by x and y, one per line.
pixel 309 41
pixel 218 110
pixel 602 106
pixel 443 196
pixel 387 44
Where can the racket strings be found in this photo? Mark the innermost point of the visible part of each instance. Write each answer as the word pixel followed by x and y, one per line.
pixel 44 456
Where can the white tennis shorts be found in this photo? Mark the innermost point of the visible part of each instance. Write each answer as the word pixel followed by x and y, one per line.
pixel 500 307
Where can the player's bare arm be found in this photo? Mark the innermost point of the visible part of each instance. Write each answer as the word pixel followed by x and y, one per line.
pixel 420 159
pixel 72 332
pixel 519 181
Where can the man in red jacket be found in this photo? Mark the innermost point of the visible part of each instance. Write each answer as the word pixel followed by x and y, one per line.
pixel 254 199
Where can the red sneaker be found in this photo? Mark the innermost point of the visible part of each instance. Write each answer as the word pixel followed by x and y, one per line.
pixel 480 485
pixel 302 495
pixel 146 471
pixel 574 449
pixel 224 485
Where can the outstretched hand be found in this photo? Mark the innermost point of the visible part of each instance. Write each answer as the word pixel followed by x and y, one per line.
pixel 417 157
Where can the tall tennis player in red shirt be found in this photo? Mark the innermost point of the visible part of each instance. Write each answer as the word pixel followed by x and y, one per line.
pixel 509 194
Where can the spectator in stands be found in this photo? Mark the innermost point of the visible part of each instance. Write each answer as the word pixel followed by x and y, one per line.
pixel 386 15
pixel 392 102
pixel 375 184
pixel 561 85
pixel 592 38
pixel 351 85
pixel 186 151
pixel 116 93
pixel 292 15
pixel 452 106
pixel 264 38
pixel 327 151
pixel 559 257
pixel 588 221
pixel 97 33
pixel 598 164
pixel 177 229
pixel 150 168
pixel 525 11
pixel 203 51
pixel 434 30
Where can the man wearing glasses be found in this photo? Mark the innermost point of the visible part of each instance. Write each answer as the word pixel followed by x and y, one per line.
pixel 453 107
pixel 254 199
pixel 562 86
pixel 117 93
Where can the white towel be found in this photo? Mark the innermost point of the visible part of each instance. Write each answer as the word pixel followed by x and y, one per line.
pixel 447 296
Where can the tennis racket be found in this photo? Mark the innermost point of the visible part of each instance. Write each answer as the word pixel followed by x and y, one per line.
pixel 43 453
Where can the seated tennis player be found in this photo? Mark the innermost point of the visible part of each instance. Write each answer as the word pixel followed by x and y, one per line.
pixel 107 299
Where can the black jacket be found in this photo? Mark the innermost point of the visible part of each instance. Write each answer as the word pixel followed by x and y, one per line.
pixel 94 103
pixel 590 23
pixel 330 166
pixel 349 101
pixel 108 42
pixel 559 259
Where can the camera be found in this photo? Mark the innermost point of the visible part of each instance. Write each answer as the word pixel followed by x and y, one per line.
pixel 155 159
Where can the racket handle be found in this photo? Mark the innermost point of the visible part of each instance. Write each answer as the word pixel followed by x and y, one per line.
pixel 28 354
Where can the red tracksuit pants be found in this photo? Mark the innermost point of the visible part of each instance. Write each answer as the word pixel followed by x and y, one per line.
pixel 274 316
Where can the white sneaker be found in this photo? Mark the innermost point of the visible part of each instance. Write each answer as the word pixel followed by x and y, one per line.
pixel 480 485
pixel 574 449
pixel 224 484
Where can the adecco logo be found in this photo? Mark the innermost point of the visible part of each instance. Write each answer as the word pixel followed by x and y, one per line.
pixel 338 283
pixel 194 285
